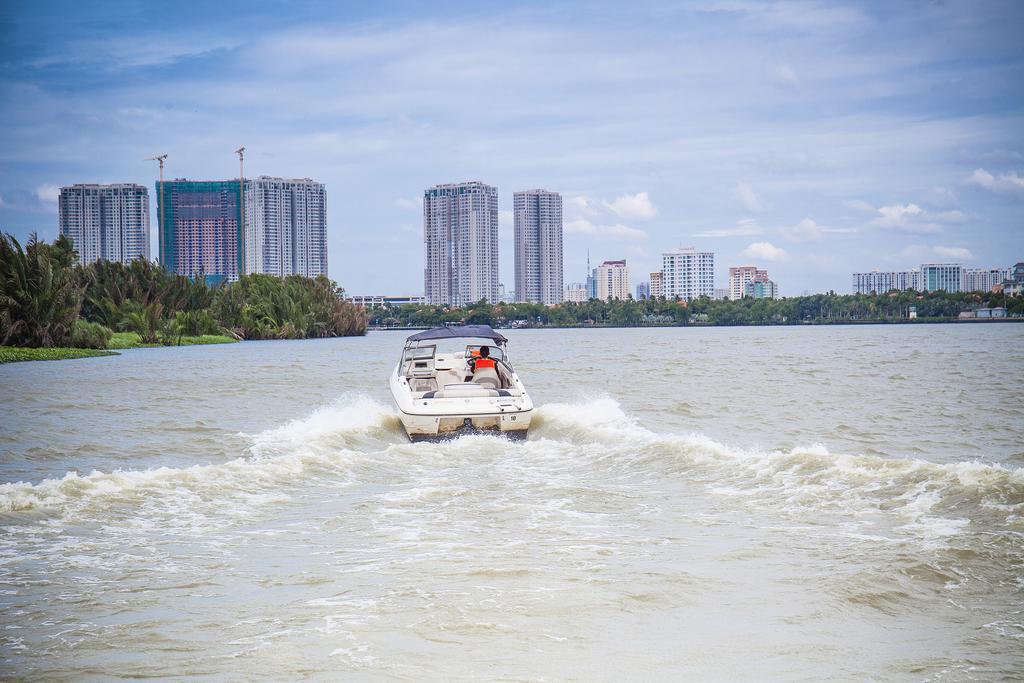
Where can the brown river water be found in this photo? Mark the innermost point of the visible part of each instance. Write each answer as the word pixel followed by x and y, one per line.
pixel 841 503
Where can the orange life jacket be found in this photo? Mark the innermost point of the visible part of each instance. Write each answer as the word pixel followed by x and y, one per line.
pixel 483 363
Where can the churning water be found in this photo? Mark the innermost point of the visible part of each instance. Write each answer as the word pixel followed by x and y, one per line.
pixel 769 503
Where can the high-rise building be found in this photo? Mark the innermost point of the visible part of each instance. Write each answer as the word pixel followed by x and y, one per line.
pixel 983 279
pixel 721 293
pixel 948 277
pixel 201 228
pixel 576 292
pixel 688 274
pixel 656 285
pixel 612 280
pixel 739 276
pixel 460 240
pixel 643 291
pixel 538 245
pixel 285 226
pixel 881 281
pixel 761 289
pixel 106 222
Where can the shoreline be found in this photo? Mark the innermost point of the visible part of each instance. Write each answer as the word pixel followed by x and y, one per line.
pixel 815 323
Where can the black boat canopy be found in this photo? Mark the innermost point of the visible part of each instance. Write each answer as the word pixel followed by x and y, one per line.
pixel 480 331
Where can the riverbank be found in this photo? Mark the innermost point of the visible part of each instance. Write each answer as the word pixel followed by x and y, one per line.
pixel 131 340
pixel 119 341
pixel 804 323
pixel 17 354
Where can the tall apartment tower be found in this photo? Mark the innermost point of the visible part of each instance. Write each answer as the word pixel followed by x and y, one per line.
pixel 285 227
pixel 984 279
pixel 106 222
pixel 688 274
pixel 657 279
pixel 538 240
pixel 612 280
pixel 201 228
pixel 460 243
pixel 739 276
pixel 942 276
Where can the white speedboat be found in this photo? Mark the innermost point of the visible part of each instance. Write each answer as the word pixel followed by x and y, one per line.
pixel 444 394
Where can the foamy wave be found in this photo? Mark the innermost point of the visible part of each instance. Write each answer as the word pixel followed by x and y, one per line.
pixel 925 499
pixel 318 444
pixel 930 500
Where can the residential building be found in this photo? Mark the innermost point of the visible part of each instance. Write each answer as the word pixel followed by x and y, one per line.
pixel 460 239
pixel 576 292
pixel 201 228
pixel 947 277
pixel 761 289
pixel 984 279
pixel 538 245
pixel 106 222
pixel 688 274
pixel 879 282
pixel 721 293
pixel 612 280
pixel 1017 273
pixel 657 290
pixel 285 226
pixel 741 276
pixel 372 300
pixel 643 291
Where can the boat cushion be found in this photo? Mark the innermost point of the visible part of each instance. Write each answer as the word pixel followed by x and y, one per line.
pixel 465 390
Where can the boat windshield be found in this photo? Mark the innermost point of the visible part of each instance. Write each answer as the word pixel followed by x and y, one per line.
pixel 453 349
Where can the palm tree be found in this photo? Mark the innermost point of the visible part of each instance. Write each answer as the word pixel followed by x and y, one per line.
pixel 39 296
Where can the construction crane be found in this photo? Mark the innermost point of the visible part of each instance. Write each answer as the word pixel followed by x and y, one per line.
pixel 241 190
pixel 159 158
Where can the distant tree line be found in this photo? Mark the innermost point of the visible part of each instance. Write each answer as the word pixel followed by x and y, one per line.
pixel 48 300
pixel 817 308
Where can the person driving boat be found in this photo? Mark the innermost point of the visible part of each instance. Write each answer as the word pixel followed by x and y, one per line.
pixel 481 359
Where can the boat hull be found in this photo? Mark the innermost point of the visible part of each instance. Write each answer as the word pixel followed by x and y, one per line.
pixel 447 418
pixel 443 428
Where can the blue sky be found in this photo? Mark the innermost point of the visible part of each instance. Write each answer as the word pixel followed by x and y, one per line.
pixel 811 138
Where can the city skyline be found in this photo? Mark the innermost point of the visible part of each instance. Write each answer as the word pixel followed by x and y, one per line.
pixel 820 138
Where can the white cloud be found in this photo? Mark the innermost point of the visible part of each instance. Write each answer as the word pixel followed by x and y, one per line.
pixel 408 228
pixel 859 205
pixel 942 197
pixel 924 252
pixel 951 216
pixel 1008 183
pixel 784 75
pixel 48 194
pixel 581 203
pixel 765 251
pixel 506 221
pixel 807 229
pixel 746 196
pixel 905 218
pixel 953 252
pixel 415 204
pixel 636 207
pixel 581 226
pixel 744 227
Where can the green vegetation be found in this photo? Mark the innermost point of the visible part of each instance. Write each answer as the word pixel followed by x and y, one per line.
pixel 132 340
pixel 48 301
pixel 13 354
pixel 828 308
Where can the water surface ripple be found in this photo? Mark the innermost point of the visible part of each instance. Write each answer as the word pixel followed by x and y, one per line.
pixel 713 504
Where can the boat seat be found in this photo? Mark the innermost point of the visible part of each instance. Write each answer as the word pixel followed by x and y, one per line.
pixel 466 390
pixel 487 377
